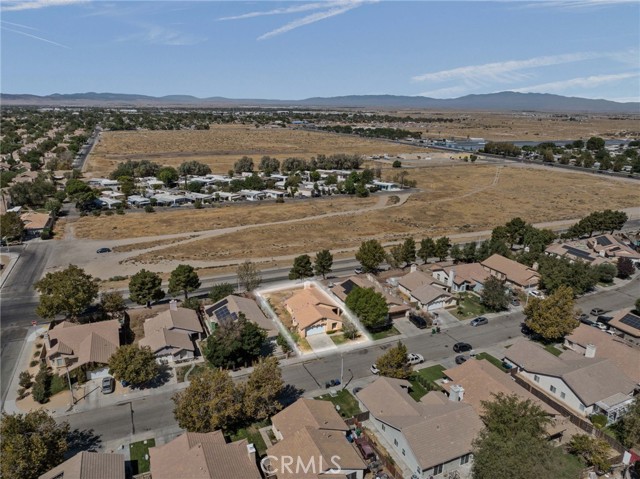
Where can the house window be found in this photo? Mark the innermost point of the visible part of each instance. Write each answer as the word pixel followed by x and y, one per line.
pixel 465 459
pixel 552 389
pixel 438 469
pixel 536 378
pixel 404 453
pixel 395 442
pixel 334 325
pixel 383 428
pixel 562 395
pixel 581 407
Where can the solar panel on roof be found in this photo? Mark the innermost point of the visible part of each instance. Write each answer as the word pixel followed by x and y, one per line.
pixel 603 241
pixel 348 286
pixel 224 315
pixel 631 320
pixel 578 252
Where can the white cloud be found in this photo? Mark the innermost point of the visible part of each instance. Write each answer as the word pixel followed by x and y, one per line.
pixel 159 35
pixel 283 11
pixel 35 37
pixel 580 82
pixel 576 4
pixel 449 92
pixel 19 25
pixel 16 5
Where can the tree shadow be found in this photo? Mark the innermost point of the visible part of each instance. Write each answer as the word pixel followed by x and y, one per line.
pixel 82 440
pixel 290 394
pixel 164 375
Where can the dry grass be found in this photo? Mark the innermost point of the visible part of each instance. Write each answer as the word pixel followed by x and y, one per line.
pixel 136 225
pixel 455 200
pixel 146 244
pixel 138 316
pixel 222 145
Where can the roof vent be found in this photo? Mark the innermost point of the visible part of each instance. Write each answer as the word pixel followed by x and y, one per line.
pixel 173 305
pixel 251 449
pixel 590 351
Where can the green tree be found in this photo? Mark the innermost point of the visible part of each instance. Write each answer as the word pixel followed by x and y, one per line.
pixel 133 364
pixel 31 444
pixel 145 287
pixel 625 268
pixel 370 306
pixel 248 275
pixel 442 248
pixel 269 165
pixel 11 226
pixel 67 292
pixel 554 317
pixel 494 295
pixel 630 423
pixel 41 391
pixel 25 380
pixel 53 206
pixel 456 253
pixel 595 143
pixel 168 175
pixel 393 363
pixel 469 252
pixel 74 188
pixel 302 267
pixel 323 263
pixel 408 251
pixel 220 291
pixel 244 164
pixel 593 451
pixel 112 303
pixel 606 272
pixel 235 344
pixel 183 279
pixel 262 390
pixel 194 168
pixel 427 249
pixel 210 402
pixel 370 255
pixel 127 185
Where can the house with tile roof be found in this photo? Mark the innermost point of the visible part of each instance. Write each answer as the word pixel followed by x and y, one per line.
pixel 315 436
pixel 431 436
pixel 584 384
pixel 461 278
pixel 627 323
pixel 35 223
pixel 397 306
pixel 421 289
pixel 204 456
pixel 69 346
pixel 514 274
pixel 312 312
pixel 229 309
pixel 609 246
pixel 89 465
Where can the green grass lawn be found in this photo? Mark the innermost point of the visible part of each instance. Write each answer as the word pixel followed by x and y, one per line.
pixel 253 436
pixel 469 306
pixel 182 370
pixel 492 359
pixel 428 375
pixel 348 404
pixel 553 350
pixel 385 333
pixel 58 384
pixel 138 450
pixel 339 339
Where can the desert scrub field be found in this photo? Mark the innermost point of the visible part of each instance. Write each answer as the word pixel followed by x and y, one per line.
pixel 454 200
pixel 222 145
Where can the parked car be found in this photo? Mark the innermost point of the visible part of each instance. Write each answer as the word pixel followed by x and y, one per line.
pixel 462 347
pixel 374 369
pixel 358 271
pixel 582 317
pixel 413 358
pixel 462 358
pixel 598 312
pixel 604 319
pixel 506 365
pixel 588 321
pixel 479 321
pixel 108 385
pixel 536 294
pixel 104 250
pixel 418 321
pixel 515 302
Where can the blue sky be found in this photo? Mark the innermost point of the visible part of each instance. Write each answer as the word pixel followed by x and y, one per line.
pixel 295 50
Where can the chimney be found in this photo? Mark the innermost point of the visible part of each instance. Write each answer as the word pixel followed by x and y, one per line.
pixel 590 351
pixel 251 450
pixel 414 268
pixel 456 394
pixel 452 274
pixel 173 305
pixel 47 341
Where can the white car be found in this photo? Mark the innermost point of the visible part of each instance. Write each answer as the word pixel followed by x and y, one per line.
pixel 374 369
pixel 536 294
pixel 413 358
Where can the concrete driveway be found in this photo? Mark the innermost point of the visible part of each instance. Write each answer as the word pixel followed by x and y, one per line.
pixel 320 342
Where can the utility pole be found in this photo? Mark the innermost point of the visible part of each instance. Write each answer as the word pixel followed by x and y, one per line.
pixel 341 367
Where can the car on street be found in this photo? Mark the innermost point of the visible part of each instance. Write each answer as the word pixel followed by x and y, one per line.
pixel 582 317
pixel 413 358
pixel 588 321
pixel 108 385
pixel 418 321
pixel 536 294
pixel 597 312
pixel 479 321
pixel 358 271
pixel 604 319
pixel 374 369
pixel 104 250
pixel 462 347
pixel 515 302
pixel 462 358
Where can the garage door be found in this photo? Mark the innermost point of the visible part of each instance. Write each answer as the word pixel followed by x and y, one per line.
pixel 315 330
pixel 436 305
pixel 97 373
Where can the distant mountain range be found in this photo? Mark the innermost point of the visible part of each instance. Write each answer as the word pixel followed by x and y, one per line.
pixel 503 101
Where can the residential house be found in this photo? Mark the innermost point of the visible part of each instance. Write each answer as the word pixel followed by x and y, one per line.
pixel 168 199
pixel 204 456
pixel 420 289
pixel 574 251
pixel 515 275
pixel 312 312
pixel 627 324
pixel 315 436
pixel 35 223
pixel 138 201
pixel 69 346
pixel 609 246
pixel 171 334
pixel 224 196
pixel 584 384
pixel 253 195
pixel 110 203
pixel 386 186
pixel 89 465
pixel 431 437
pixel 397 307
pixel 462 278
pixel 229 309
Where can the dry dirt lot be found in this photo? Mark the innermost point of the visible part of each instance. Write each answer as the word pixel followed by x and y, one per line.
pixel 453 200
pixel 222 145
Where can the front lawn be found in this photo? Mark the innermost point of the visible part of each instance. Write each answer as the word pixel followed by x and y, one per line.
pixel 138 451
pixel 493 360
pixel 553 350
pixel 252 435
pixel 424 380
pixel 348 404
pixel 469 306
pixel 385 333
pixel 338 339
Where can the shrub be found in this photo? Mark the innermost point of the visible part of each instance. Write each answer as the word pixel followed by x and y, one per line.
pixel 33 363
pixel 279 200
pixel 25 380
pixel 397 164
pixel 118 278
pixel 197 204
pixel 598 420
pixel 46 234
pixel 36 354
pixel 96 212
pixel 108 213
pixel 120 211
pixel 149 209
pixel 42 387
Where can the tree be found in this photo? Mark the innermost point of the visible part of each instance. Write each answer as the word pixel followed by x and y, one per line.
pixel 53 206
pixel 630 425
pixel 41 391
pixel 606 272
pixel 235 343
pixel 168 175
pixel 194 168
pixel 221 290
pixel 593 451
pixel 244 164
pixel 269 165
pixel 427 249
pixel 323 263
pixel 133 364
pixel 396 164
pixel 595 143
pixel 554 317
pixel 494 295
pixel 637 304
pixel 74 188
pixel 370 255
pixel 394 258
pixel 127 185
pixel 302 267
pixel 210 402
pixel 11 226
pixel 625 268
pixel 112 303
pixel 469 252
pixel 370 306
pixel 262 390
pixel 248 275
pixel 442 248
pixel 25 380
pixel 31 444
pixel 67 292
pixel 409 251
pixel 456 253
pixel 145 287
pixel 183 279
pixel 393 363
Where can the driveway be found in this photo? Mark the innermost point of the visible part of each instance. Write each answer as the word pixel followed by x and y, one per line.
pixel 320 342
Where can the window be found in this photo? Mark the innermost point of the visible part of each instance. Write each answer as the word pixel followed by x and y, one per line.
pixel 562 395
pixel 384 428
pixel 552 389
pixel 404 453
pixel 395 442
pixel 465 459
pixel 581 407
pixel 438 469
pixel 536 378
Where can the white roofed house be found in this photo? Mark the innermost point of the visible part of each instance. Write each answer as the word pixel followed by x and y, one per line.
pixel 166 199
pixel 110 203
pixel 138 201
pixel 253 195
pixel 225 196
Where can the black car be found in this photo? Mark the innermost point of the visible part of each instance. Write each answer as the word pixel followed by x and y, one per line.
pixel 104 250
pixel 604 319
pixel 587 321
pixel 462 347
pixel 418 321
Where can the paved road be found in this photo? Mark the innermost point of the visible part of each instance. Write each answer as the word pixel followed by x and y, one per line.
pixel 157 412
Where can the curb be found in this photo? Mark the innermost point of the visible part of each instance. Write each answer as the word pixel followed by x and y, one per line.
pixel 9 269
